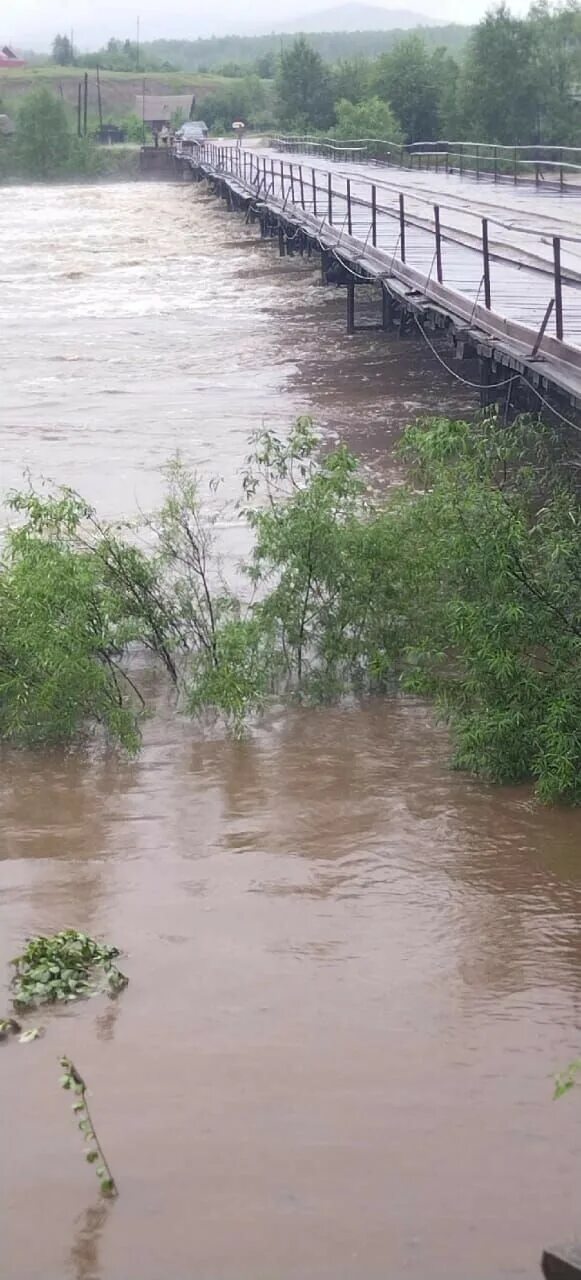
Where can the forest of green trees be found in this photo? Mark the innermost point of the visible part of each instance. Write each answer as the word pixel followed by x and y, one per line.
pixel 518 81
pixel 508 80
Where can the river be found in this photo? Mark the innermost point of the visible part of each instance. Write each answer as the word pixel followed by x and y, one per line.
pixel 353 972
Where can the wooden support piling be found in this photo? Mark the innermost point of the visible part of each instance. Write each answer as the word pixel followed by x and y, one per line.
pixel 386 309
pixel 351 307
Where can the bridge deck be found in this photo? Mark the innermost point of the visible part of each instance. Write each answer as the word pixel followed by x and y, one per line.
pixel 354 210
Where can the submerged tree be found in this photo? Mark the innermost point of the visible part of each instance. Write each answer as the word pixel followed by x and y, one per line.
pixel 73 597
pixel 491 552
pixel 463 586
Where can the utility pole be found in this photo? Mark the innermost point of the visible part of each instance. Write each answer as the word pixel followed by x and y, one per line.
pixel 138 41
pixel 86 104
pixel 99 99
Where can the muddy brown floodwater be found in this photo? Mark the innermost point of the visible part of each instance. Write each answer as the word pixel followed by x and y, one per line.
pixel 353 972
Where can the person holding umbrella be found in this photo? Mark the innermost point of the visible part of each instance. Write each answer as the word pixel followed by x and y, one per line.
pixel 238 127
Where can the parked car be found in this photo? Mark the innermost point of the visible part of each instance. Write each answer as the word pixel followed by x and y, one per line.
pixel 192 131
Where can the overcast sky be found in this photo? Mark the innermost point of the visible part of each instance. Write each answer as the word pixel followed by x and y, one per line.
pixel 33 23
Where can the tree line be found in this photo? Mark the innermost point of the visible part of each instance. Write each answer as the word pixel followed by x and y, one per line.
pixel 237 56
pixel 519 81
pixel 259 54
pixel 508 80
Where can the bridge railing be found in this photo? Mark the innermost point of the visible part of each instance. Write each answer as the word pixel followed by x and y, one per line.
pixel 538 163
pixel 358 208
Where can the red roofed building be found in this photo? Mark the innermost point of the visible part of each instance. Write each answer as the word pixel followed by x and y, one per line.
pixel 9 59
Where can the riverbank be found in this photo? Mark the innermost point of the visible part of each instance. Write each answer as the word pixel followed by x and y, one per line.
pixel 119 163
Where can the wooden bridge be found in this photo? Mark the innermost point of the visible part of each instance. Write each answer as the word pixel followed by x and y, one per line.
pixel 495 269
pixel 500 273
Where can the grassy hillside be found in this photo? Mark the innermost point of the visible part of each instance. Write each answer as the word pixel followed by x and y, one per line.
pixel 118 88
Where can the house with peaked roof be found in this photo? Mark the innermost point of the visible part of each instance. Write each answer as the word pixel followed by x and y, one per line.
pixel 8 58
pixel 157 111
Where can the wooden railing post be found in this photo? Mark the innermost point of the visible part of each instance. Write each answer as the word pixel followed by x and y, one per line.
pixel 402 227
pixel 302 185
pixel 349 214
pixel 330 197
pixel 515 165
pixel 486 264
pixel 314 179
pixel 438 243
pixel 558 287
pixel 374 216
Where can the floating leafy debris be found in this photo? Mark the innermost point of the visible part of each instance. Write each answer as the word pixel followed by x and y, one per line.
pixel 66 966
pixel 94 1154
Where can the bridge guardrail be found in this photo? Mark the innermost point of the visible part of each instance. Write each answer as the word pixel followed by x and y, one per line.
pixel 481 159
pixel 357 207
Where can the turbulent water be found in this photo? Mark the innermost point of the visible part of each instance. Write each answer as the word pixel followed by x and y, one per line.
pixel 353 972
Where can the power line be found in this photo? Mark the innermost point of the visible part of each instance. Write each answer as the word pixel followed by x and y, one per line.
pixel 477 386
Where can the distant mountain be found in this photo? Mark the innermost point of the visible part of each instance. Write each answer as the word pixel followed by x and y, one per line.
pixel 358 17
